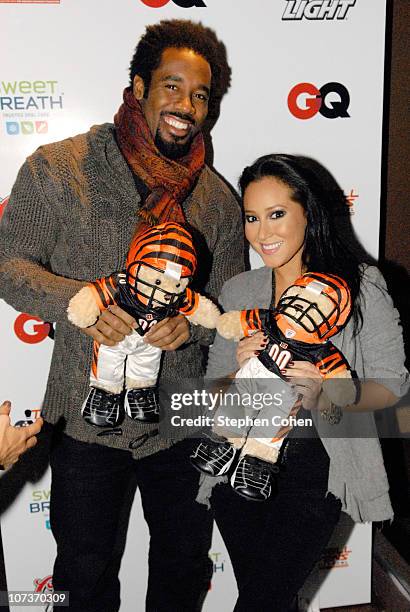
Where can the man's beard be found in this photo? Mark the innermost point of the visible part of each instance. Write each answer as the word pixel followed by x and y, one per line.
pixel 172 150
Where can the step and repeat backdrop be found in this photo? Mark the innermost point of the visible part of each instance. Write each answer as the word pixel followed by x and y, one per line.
pixel 307 78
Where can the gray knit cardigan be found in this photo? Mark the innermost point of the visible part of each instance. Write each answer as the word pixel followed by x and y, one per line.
pixel 70 218
pixel 356 473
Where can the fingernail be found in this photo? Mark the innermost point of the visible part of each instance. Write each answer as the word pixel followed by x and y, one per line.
pixel 257 353
pixel 283 371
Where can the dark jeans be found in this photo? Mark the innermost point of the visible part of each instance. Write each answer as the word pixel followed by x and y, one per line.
pixel 91 495
pixel 274 545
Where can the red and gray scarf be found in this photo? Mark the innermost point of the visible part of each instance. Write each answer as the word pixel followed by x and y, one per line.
pixel 169 181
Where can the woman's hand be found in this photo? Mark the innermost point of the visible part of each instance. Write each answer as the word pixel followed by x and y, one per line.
pixel 307 381
pixel 249 347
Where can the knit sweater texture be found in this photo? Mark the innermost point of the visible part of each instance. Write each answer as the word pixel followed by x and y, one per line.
pixel 69 220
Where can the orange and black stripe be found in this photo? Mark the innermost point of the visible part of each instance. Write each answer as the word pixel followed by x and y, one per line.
pixel 162 243
pixel 104 290
pixel 94 364
pixel 251 321
pixel 332 365
pixel 285 429
pixel 191 302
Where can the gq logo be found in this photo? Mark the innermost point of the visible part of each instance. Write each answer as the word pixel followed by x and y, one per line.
pixel 317 101
pixel 180 3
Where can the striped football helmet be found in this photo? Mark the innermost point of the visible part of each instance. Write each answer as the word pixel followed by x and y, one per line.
pixel 167 249
pixel 314 308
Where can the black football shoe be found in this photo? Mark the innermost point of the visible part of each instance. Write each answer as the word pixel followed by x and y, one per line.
pixel 254 478
pixel 212 457
pixel 142 404
pixel 103 409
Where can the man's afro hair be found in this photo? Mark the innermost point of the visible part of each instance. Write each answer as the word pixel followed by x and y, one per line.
pixel 181 34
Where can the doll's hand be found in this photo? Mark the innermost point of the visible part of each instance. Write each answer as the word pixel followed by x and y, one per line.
pixel 307 381
pixel 169 333
pixel 249 347
pixel 111 327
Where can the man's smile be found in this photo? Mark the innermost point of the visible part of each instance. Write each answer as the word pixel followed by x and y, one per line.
pixel 176 125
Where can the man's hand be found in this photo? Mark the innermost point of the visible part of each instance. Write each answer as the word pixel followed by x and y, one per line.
pixel 111 327
pixel 169 333
pixel 14 441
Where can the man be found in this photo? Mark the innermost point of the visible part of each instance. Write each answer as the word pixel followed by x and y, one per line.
pixel 70 218
pixel 14 441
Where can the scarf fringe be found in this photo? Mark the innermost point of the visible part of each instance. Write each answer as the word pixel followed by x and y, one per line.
pixel 148 217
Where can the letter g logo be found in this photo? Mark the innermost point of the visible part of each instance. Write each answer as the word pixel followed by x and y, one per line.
pixel 3 204
pixel 155 3
pixel 180 3
pixel 312 103
pixel 31 334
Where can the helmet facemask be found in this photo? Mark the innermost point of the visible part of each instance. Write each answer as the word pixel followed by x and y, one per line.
pixel 312 310
pixel 155 288
pixel 160 263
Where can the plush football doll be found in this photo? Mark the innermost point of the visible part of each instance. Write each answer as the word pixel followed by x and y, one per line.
pixel 308 313
pixel 160 264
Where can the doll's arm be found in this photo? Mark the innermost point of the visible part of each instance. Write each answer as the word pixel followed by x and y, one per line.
pixel 238 324
pixel 199 310
pixel 332 362
pixel 338 383
pixel 86 305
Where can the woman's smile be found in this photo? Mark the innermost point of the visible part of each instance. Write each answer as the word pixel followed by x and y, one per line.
pixel 270 249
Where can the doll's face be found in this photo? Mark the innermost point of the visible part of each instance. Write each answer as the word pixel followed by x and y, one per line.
pixel 308 308
pixel 162 287
pixel 314 308
pixel 307 316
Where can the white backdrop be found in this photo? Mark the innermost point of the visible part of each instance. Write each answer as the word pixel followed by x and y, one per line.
pixel 65 64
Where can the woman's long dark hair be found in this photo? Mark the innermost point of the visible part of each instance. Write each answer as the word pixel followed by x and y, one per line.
pixel 324 250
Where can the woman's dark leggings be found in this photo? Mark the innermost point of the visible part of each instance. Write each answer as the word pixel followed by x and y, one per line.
pixel 274 545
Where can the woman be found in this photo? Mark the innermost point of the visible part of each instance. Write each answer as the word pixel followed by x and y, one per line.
pixel 274 545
